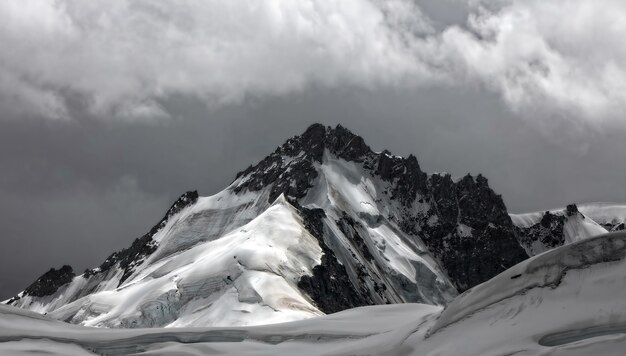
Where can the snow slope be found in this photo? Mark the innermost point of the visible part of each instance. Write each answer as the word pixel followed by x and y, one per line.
pixel 245 277
pixel 567 301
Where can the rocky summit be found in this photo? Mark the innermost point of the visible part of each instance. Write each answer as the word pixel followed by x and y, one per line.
pixel 464 223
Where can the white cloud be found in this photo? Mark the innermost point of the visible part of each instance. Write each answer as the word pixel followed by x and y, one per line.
pixel 125 55
pixel 563 58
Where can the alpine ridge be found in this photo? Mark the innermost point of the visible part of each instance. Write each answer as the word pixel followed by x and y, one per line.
pixel 542 231
pixel 322 224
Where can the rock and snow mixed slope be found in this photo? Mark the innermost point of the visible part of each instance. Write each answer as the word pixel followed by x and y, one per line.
pixel 320 225
pixel 567 301
pixel 248 275
pixel 541 231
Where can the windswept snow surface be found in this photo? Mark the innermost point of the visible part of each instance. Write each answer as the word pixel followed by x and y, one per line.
pixel 567 301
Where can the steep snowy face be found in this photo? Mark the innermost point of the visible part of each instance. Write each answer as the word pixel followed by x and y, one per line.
pixel 320 225
pixel 541 231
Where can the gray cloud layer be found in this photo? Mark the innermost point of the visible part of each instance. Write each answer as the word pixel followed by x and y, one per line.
pixel 120 58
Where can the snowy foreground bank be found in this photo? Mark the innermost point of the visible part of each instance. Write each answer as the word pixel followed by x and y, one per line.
pixel 567 301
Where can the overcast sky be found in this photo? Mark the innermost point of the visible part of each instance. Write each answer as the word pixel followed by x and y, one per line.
pixel 109 110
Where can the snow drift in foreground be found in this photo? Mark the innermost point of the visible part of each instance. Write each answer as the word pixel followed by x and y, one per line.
pixel 567 301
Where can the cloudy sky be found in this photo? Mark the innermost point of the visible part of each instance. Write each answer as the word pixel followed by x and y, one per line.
pixel 109 110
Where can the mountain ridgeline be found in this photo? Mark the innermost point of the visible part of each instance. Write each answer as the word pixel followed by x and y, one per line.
pixel 320 225
pixel 464 224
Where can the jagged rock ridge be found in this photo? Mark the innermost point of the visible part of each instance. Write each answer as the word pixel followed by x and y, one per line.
pixel 50 281
pixel 464 223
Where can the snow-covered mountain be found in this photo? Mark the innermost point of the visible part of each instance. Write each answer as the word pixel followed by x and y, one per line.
pixel 567 301
pixel 320 225
pixel 541 231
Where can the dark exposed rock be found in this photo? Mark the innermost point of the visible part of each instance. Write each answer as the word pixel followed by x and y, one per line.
pixel 571 210
pixel 479 205
pixel 329 286
pixel 348 226
pixel 405 173
pixel 143 246
pixel 470 231
pixel 290 168
pixel 343 143
pixel 50 282
pixel 548 231
pixel 469 260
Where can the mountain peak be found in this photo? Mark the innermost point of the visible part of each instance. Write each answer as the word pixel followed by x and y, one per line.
pixel 290 168
pixel 438 209
pixel 317 137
